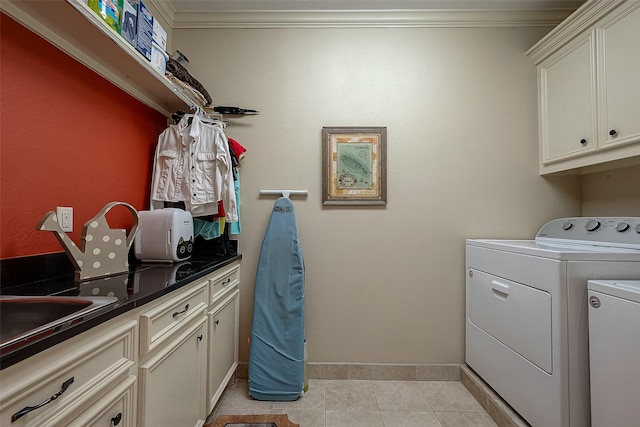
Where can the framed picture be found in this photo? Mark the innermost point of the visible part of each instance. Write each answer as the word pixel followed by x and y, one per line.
pixel 354 166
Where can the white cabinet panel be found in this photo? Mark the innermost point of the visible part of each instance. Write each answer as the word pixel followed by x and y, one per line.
pixel 158 323
pixel 589 93
pixel 568 103
pixel 172 382
pixel 223 345
pixel 621 91
pixel 116 408
pixel 76 372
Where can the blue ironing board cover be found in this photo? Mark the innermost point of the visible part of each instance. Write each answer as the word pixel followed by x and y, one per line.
pixel 276 352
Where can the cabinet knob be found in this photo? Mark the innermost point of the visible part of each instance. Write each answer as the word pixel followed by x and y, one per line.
pixel 116 420
pixel 583 141
pixel 199 337
pixel 216 322
pixel 613 132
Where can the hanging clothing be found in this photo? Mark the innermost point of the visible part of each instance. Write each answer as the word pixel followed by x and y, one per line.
pixel 168 182
pixel 193 164
pixel 236 227
pixel 238 149
pixel 276 353
pixel 212 173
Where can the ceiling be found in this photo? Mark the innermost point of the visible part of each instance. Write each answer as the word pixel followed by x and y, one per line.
pixel 362 13
pixel 368 5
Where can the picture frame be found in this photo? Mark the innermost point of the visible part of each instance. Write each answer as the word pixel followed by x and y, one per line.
pixel 354 166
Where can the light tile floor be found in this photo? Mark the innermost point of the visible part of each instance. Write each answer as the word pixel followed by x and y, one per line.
pixel 367 403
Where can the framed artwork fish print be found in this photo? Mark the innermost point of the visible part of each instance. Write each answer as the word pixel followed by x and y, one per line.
pixel 354 166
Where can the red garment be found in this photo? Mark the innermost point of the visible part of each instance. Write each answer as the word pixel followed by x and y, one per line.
pixel 237 148
pixel 221 213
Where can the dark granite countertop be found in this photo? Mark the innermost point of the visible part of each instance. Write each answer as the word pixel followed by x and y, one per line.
pixel 143 284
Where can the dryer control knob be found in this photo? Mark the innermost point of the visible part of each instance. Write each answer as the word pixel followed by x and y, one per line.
pixel 592 225
pixel 622 226
pixel 638 228
pixel 567 226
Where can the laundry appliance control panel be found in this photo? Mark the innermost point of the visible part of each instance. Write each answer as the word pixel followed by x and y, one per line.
pixel 600 231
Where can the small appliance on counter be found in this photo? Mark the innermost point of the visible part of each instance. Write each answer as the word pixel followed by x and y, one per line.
pixel 164 235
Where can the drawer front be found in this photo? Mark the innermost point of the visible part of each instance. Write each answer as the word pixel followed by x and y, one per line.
pixel 66 380
pixel 517 315
pixel 116 408
pixel 157 324
pixel 223 280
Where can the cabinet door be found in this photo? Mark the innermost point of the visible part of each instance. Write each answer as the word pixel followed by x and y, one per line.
pixel 116 408
pixel 620 111
pixel 172 382
pixel 223 346
pixel 567 104
pixel 57 384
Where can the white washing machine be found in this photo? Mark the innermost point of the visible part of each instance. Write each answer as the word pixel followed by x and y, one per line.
pixel 527 317
pixel 614 352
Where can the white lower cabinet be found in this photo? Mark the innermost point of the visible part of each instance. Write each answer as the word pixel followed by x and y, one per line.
pixel 172 382
pixel 165 363
pixel 58 385
pixel 223 345
pixel 116 408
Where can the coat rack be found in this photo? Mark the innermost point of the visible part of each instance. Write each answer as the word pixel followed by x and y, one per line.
pixel 284 193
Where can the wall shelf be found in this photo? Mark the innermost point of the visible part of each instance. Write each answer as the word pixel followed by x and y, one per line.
pixel 77 30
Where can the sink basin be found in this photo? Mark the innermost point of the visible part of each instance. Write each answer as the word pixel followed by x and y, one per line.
pixel 27 318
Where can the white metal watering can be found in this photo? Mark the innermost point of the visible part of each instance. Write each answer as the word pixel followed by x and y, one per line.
pixel 103 251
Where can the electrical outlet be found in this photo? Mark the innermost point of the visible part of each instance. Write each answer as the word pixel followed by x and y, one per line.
pixel 65 218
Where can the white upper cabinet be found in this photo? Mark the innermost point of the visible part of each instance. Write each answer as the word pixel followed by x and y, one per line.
pixel 620 92
pixel 568 103
pixel 77 30
pixel 589 95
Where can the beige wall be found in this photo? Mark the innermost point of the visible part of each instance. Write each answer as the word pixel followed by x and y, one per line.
pixel 612 193
pixel 385 285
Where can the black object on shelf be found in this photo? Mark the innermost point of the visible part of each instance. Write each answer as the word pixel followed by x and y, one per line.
pixel 233 110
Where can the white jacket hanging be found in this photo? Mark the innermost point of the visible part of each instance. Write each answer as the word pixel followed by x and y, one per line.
pixel 192 164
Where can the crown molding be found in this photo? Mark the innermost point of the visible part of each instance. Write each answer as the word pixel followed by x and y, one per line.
pixel 367 19
pixel 578 23
pixel 165 9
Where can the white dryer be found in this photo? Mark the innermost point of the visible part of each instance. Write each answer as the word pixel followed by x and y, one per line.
pixel 614 350
pixel 526 312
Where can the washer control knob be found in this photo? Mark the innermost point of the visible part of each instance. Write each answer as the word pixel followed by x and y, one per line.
pixel 567 226
pixel 594 302
pixel 622 226
pixel 592 225
pixel 638 228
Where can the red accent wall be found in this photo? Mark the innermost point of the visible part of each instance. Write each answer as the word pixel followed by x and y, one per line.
pixel 68 137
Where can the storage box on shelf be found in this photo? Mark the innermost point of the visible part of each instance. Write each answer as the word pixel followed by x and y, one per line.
pixel 586 85
pixel 74 28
